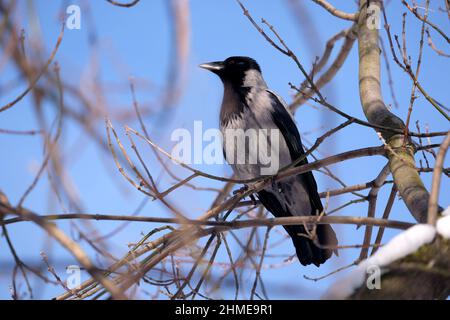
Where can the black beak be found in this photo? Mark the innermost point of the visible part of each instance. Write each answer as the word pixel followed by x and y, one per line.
pixel 215 67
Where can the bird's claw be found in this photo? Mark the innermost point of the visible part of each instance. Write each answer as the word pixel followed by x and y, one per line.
pixel 240 190
pixel 244 189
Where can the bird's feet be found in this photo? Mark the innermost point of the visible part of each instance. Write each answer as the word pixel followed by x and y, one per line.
pixel 244 189
pixel 240 190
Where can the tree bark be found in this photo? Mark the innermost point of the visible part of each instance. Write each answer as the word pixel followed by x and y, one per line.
pixel 400 149
pixel 423 275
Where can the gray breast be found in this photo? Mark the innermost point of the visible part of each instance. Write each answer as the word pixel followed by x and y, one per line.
pixel 255 116
pixel 253 145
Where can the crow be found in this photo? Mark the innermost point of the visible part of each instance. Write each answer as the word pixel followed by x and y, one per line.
pixel 248 104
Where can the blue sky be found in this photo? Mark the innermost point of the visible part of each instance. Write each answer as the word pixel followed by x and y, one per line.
pixel 136 42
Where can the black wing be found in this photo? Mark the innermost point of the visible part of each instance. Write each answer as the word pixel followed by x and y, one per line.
pixel 284 121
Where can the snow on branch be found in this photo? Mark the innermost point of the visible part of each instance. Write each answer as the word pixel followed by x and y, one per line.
pixel 401 246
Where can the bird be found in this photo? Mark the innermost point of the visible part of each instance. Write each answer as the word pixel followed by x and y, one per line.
pixel 247 104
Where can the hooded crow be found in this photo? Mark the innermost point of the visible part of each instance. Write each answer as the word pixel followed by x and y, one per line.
pixel 249 104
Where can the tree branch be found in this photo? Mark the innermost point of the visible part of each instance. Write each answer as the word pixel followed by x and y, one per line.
pixel 335 12
pixel 400 149
pixel 423 275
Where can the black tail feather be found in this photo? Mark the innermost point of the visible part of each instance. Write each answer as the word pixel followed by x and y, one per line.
pixel 313 251
pixel 308 251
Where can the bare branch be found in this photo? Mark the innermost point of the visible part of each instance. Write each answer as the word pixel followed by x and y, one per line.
pixel 434 196
pixel 335 12
pixel 38 76
pixel 124 5
pixel 401 156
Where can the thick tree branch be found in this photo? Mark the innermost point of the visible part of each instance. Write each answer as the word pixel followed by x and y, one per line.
pixel 422 275
pixel 400 149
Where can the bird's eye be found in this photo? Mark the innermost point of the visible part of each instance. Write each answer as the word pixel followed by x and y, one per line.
pixel 241 63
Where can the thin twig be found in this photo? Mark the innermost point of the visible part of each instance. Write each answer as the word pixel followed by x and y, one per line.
pixel 39 75
pixel 434 194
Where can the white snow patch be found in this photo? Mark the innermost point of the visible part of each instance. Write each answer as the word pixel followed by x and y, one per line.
pixel 400 246
pixel 443 226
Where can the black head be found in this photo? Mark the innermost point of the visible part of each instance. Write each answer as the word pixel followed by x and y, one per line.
pixel 233 69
